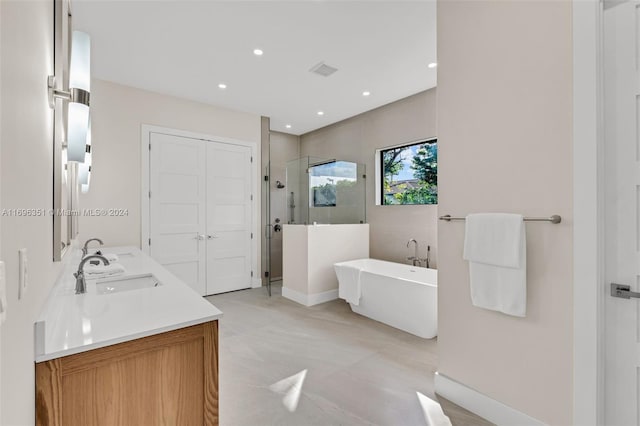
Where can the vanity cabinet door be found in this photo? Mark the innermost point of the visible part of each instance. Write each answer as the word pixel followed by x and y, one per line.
pixel 170 379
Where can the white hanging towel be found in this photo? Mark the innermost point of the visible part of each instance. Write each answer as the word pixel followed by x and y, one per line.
pixel 495 246
pixel 349 287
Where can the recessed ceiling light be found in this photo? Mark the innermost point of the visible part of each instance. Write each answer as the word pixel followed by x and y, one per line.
pixel 222 86
pixel 366 93
pixel 288 126
pixel 320 112
pixel 258 52
pixel 432 65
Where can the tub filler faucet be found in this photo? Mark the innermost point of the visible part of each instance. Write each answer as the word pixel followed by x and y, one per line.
pixel 414 259
pixel 428 259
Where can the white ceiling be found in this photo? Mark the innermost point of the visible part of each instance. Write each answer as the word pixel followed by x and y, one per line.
pixel 186 48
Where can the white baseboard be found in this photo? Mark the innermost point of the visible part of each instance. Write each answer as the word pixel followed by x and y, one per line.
pixel 309 299
pixel 326 296
pixel 296 296
pixel 480 404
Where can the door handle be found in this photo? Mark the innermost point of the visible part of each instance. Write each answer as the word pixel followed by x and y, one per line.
pixel 211 237
pixel 623 291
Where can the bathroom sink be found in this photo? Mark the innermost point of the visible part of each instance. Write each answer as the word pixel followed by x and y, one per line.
pixel 118 285
pixel 122 255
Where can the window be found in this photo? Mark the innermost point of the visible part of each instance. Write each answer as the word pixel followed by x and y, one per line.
pixel 329 178
pixel 409 174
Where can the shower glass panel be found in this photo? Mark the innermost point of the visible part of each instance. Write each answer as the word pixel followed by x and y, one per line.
pixel 278 216
pixel 325 191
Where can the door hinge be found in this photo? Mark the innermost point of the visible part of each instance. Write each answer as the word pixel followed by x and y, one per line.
pixel 149 241
pixel 149 147
pixel 252 235
pixel 252 159
pixel 149 194
pixel 251 274
pixel 251 197
pixel 266 274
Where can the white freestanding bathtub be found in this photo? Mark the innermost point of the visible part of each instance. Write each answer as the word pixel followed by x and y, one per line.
pixel 402 296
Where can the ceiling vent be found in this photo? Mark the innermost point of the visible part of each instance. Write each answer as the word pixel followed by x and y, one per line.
pixel 323 69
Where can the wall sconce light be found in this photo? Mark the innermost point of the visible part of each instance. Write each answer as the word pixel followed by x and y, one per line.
pixel 84 188
pixel 83 172
pixel 78 95
pixel 84 168
pixel 65 177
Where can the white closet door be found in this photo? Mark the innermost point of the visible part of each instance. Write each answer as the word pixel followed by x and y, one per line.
pixel 228 217
pixel 177 207
pixel 622 211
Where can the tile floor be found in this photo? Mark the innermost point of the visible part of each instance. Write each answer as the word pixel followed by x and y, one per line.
pixel 358 371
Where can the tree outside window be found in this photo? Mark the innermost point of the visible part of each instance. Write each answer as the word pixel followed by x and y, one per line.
pixel 410 174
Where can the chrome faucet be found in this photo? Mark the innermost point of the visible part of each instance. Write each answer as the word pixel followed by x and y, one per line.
pixel 81 284
pixel 428 259
pixel 85 249
pixel 413 259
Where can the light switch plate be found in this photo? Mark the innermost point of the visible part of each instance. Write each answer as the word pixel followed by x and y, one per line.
pixel 22 272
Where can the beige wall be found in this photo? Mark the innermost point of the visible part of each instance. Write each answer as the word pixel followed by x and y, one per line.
pixel 505 140
pixel 282 148
pixel 117 113
pixel 26 166
pixel 356 139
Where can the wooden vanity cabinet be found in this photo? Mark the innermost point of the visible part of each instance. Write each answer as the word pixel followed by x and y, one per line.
pixel 165 379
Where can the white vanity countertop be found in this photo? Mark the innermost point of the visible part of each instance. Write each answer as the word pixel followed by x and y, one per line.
pixel 72 323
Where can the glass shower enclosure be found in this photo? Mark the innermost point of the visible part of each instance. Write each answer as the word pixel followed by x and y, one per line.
pixel 304 191
pixel 325 191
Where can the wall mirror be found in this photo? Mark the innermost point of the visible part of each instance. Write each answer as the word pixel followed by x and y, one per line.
pixel 65 198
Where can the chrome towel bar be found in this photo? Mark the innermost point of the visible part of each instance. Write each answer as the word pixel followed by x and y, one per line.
pixel 555 219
